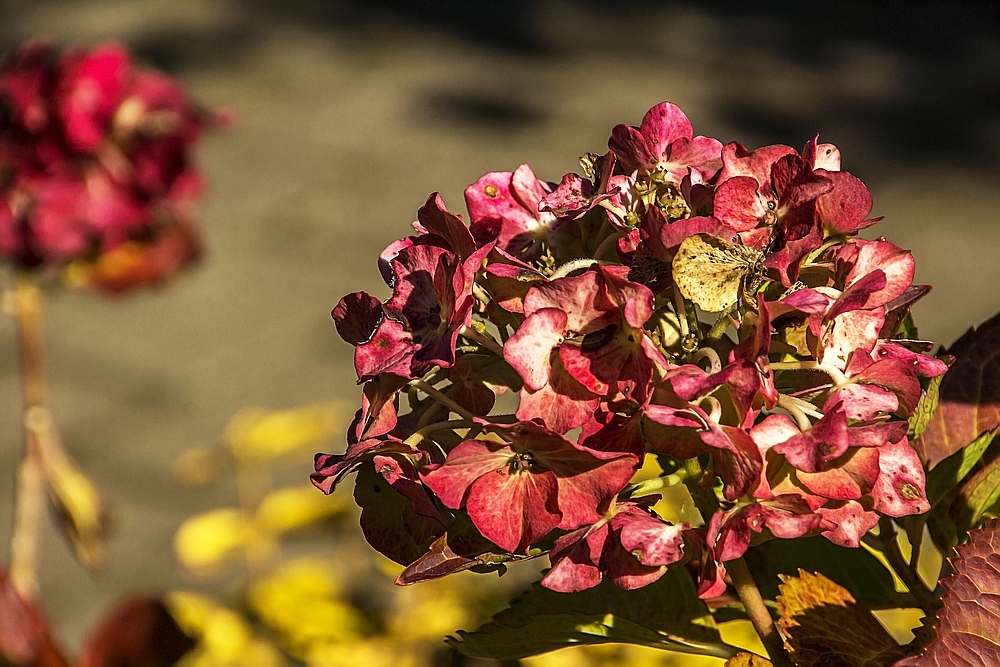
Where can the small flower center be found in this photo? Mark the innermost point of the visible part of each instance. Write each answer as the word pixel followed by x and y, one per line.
pixel 521 462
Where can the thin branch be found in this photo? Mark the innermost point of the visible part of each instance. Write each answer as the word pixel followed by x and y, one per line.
pixel 442 399
pixel 30 492
pixel 483 340
pixel 752 600
pixel 888 543
pixel 786 402
pixel 838 377
pixel 605 244
pixel 421 434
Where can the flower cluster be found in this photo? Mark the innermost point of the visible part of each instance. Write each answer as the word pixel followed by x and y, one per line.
pixel 704 304
pixel 95 169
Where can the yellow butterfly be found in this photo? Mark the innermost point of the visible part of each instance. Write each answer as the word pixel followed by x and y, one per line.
pixel 713 273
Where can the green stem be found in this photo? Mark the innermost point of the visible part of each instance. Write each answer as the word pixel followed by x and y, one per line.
pixel 721 324
pixel 605 244
pixel 888 544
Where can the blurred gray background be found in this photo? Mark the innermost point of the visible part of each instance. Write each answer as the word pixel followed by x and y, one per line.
pixel 350 112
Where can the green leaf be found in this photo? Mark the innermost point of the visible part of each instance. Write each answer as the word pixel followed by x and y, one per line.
pixel 977 495
pixel 666 614
pixel 855 569
pixel 925 408
pixel 947 474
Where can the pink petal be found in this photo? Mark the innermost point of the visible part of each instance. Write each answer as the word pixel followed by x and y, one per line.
pixel 897 264
pixel 562 405
pixel 852 522
pixel 529 350
pixel 739 205
pixel 574 560
pixel 738 161
pixel 469 461
pixel 899 490
pixel 435 218
pixel 514 509
pixel 844 209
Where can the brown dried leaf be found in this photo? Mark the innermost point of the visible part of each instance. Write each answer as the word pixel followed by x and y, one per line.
pixel 969 396
pixel 826 627
pixel 744 659
pixel 711 272
pixel 968 625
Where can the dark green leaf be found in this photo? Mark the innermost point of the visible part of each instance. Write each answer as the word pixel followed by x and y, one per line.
pixel 855 569
pixel 666 614
pixel 977 495
pixel 946 475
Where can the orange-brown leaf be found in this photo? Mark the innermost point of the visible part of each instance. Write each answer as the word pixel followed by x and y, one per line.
pixel 825 627
pixel 744 659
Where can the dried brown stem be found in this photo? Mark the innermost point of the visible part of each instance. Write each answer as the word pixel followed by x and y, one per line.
pixel 29 500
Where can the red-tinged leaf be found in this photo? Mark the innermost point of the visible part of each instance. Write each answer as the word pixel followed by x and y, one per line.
pixel 969 396
pixel 24 635
pixel 824 625
pixel 139 632
pixel 968 625
pixel 459 549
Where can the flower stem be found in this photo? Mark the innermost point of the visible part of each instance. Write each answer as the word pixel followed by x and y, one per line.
pixel 888 544
pixel 721 324
pixel 605 244
pixel 750 595
pixel 442 399
pixel 838 377
pixel 483 340
pixel 29 500
pixel 570 267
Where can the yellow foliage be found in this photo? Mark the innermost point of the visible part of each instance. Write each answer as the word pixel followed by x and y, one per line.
pixel 205 541
pixel 299 602
pixel 258 435
pixel 373 653
pixel 296 507
pixel 226 639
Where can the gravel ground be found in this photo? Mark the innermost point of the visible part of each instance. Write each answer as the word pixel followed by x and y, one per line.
pixel 350 113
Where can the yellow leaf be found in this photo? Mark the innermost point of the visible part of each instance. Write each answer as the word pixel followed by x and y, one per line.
pixel 256 434
pixel 78 503
pixel 205 541
pixel 296 507
pixel 225 637
pixel 374 653
pixel 299 602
